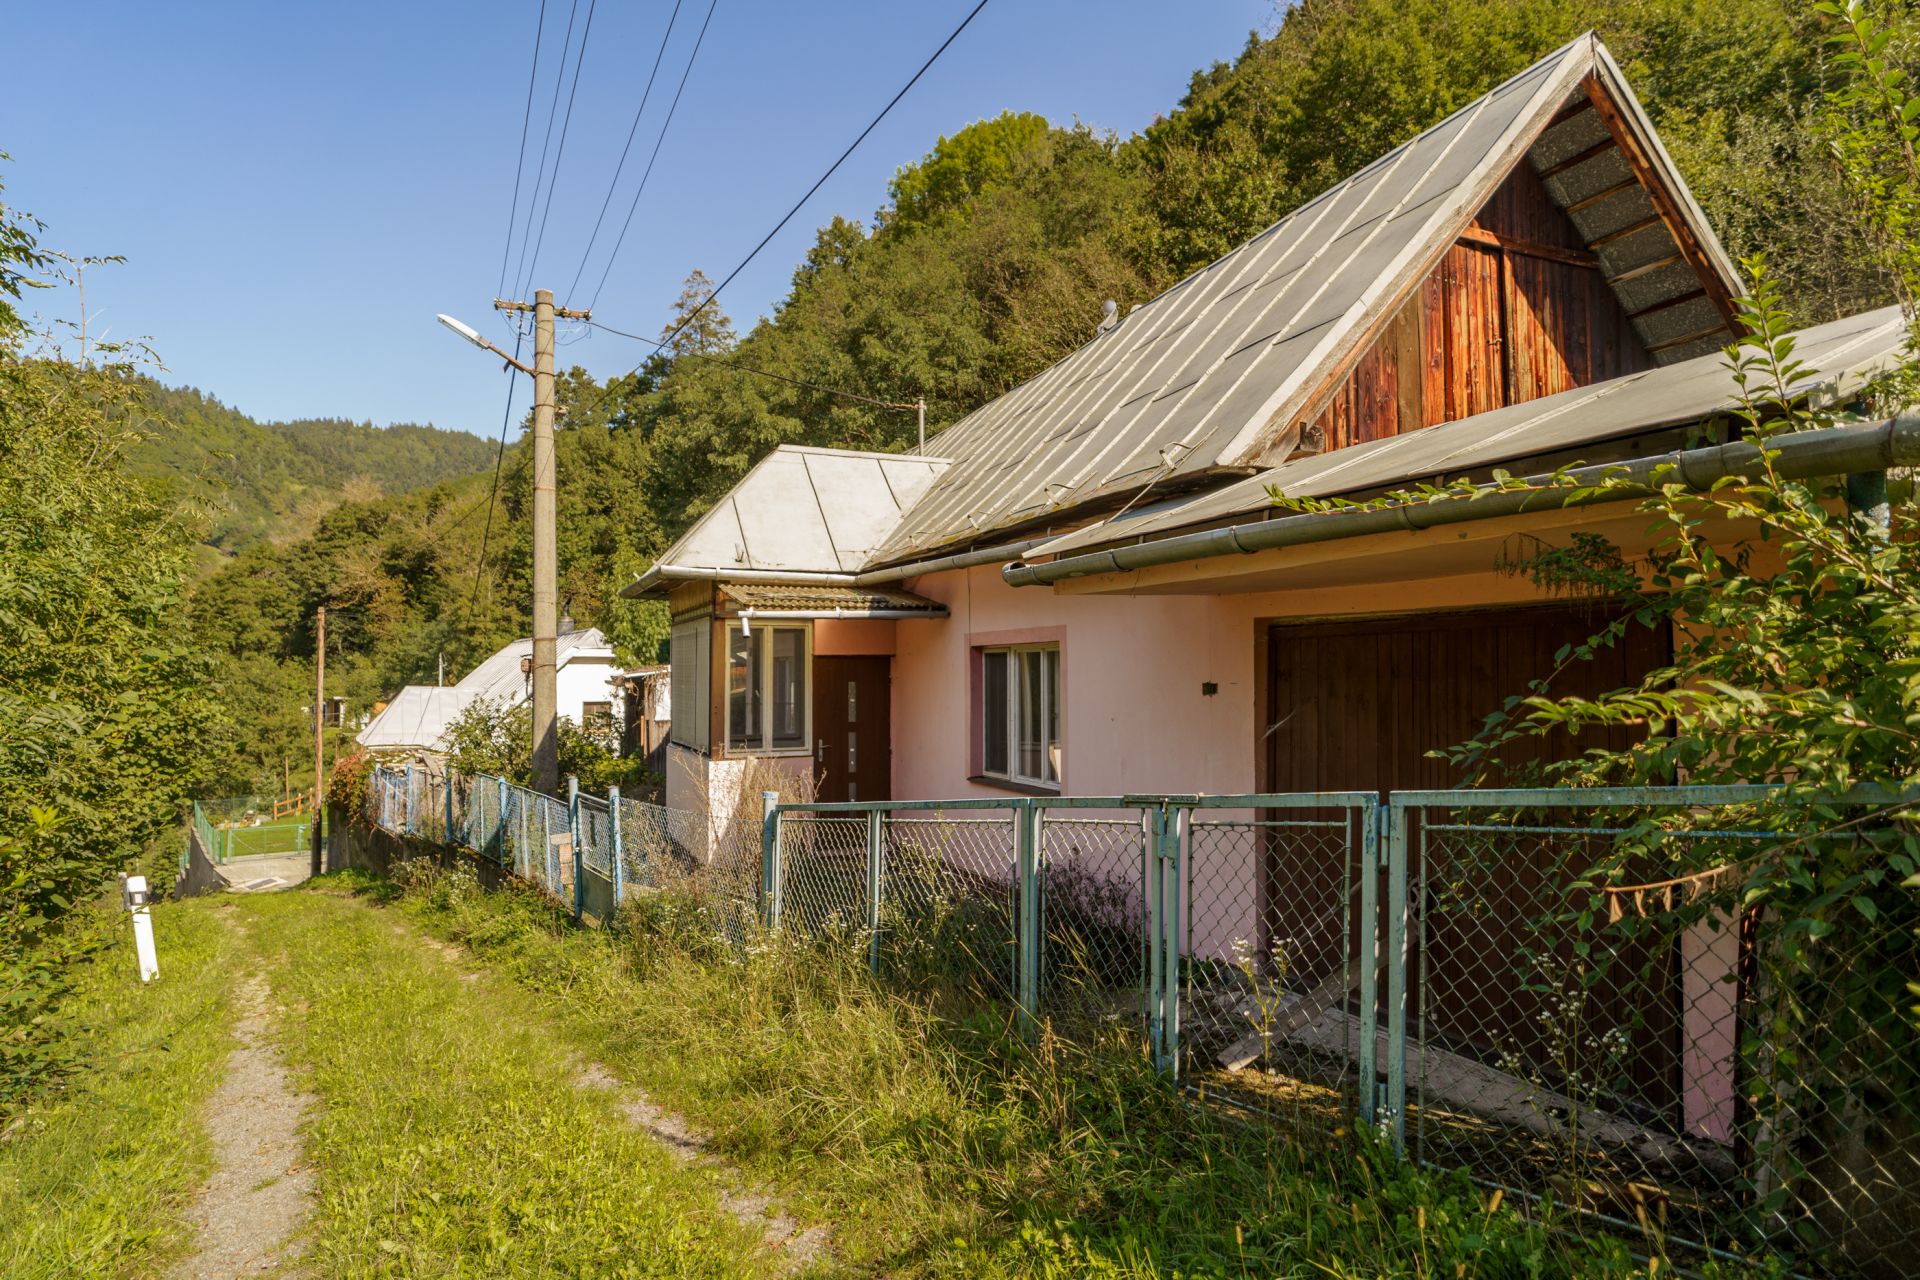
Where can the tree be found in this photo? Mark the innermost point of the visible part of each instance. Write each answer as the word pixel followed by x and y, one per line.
pixel 107 720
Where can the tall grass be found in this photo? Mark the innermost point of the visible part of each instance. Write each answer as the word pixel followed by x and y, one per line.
pixel 940 1142
pixel 95 1173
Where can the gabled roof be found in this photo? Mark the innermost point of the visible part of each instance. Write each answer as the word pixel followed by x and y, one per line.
pixel 807 510
pixel 500 680
pixel 417 718
pixel 1840 358
pixel 1209 376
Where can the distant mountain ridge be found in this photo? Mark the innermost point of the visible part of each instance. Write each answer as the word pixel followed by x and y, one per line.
pixel 272 481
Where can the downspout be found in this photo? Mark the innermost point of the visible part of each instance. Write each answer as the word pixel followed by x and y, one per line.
pixel 1844 450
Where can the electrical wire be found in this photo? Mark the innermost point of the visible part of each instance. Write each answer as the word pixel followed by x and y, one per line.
pixel 520 165
pixel 632 130
pixel 560 152
pixel 648 173
pixel 506 418
pixel 831 169
pixel 747 368
pixel 546 148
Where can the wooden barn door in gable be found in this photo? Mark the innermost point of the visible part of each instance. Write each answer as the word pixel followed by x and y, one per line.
pixel 1516 309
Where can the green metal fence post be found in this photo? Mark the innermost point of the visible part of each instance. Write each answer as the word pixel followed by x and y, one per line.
pixel 1153 884
pixel 500 821
pixel 1368 1081
pixel 1397 977
pixel 619 860
pixel 573 836
pixel 876 871
pixel 1027 918
pixel 447 782
pixel 770 870
pixel 1171 864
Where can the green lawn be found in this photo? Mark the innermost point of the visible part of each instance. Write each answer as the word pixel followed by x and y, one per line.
pixel 287 835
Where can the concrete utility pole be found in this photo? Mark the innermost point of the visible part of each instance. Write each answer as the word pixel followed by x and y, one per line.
pixel 319 719
pixel 546 741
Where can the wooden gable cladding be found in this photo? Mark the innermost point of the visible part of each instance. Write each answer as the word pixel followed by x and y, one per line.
pixel 1517 309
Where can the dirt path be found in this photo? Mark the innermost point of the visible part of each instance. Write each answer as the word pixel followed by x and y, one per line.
pixel 750 1204
pixel 260 1191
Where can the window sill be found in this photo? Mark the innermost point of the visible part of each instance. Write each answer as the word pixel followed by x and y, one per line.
pixel 773 753
pixel 1017 788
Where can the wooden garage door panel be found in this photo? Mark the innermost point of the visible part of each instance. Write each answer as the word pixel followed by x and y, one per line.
pixel 1358 706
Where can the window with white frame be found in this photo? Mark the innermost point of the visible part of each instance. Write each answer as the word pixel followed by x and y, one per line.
pixel 768 698
pixel 1020 714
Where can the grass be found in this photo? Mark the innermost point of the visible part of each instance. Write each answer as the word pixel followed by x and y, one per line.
pixel 450 1136
pixel 287 835
pixel 939 1144
pixel 94 1174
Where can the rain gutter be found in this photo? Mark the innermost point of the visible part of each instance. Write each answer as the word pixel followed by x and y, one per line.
pixel 1854 449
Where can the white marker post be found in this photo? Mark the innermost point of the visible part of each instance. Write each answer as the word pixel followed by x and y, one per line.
pixel 134 890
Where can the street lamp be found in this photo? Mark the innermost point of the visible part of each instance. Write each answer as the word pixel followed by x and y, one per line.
pixel 546 742
pixel 472 335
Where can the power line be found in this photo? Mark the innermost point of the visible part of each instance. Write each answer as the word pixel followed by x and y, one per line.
pixel 546 145
pixel 506 417
pixel 520 165
pixel 560 152
pixel 648 173
pixel 747 368
pixel 871 126
pixel 632 130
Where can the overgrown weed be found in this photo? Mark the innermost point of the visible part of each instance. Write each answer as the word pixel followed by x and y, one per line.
pixel 943 1142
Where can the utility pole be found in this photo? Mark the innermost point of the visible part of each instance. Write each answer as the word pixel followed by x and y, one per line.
pixel 319 718
pixel 546 742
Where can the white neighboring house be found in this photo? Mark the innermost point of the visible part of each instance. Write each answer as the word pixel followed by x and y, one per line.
pixel 586 677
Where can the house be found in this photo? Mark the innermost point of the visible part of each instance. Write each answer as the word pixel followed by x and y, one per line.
pixel 1084 586
pixel 586 677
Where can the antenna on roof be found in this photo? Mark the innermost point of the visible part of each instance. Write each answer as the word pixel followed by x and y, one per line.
pixel 1109 315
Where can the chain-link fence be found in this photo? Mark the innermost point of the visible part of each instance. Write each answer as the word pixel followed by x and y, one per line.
pixel 1602 1009
pixel 1572 995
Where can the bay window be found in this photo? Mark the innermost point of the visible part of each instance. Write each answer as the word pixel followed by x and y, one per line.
pixel 1020 714
pixel 767 688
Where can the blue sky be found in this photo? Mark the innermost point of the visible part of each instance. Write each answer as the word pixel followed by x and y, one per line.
pixel 300 187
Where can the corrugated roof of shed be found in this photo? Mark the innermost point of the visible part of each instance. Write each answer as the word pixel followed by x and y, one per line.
pixel 417 717
pixel 1840 356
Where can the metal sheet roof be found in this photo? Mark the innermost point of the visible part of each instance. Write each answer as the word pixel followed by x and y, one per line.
pixel 417 718
pixel 499 678
pixel 830 601
pixel 1208 374
pixel 1840 357
pixel 807 510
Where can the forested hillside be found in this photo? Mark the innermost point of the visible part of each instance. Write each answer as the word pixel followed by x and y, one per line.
pixel 990 259
pixel 272 480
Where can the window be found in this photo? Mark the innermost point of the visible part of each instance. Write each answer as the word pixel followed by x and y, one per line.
pixel 596 717
pixel 1020 714
pixel 767 689
pixel 689 652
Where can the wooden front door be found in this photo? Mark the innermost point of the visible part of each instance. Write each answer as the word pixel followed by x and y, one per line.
pixel 852 714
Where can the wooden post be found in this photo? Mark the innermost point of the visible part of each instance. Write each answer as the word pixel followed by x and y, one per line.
pixel 319 718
